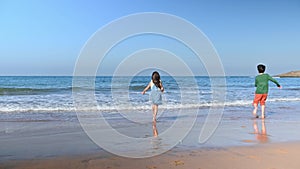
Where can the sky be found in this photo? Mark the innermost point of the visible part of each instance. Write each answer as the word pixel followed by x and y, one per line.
pixel 45 37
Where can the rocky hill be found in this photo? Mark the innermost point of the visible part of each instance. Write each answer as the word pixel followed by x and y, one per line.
pixel 290 74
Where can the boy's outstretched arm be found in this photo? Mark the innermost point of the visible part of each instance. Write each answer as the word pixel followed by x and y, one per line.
pixel 274 81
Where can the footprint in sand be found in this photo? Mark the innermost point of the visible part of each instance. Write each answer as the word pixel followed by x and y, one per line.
pixel 248 141
pixel 282 151
pixel 254 157
pixel 178 162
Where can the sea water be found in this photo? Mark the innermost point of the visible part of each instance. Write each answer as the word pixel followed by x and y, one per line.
pixel 53 94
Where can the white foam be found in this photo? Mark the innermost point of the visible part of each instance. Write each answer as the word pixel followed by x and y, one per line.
pixel 69 107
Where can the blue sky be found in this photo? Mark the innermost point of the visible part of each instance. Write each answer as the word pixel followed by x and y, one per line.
pixel 45 37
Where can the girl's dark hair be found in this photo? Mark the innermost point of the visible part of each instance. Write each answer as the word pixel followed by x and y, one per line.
pixel 261 68
pixel 156 79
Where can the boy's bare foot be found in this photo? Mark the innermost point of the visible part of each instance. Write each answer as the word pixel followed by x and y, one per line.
pixel 255 115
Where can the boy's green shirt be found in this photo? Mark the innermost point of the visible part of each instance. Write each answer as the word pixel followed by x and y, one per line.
pixel 262 83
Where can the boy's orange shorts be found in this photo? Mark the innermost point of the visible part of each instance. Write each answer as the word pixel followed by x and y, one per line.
pixel 260 98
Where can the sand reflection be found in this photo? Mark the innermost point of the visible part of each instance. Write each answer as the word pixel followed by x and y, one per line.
pixel 260 135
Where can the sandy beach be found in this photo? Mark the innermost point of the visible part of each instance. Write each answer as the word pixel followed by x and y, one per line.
pixel 272 156
pixel 240 142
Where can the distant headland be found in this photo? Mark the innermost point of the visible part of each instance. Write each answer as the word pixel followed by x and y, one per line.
pixel 290 74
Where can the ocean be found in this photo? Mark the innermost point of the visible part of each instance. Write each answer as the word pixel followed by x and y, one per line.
pixel 52 98
pixel 53 94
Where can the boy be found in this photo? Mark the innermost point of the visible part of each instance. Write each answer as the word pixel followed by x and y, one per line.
pixel 262 88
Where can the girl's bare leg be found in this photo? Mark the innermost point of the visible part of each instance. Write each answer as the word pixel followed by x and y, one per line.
pixel 154 109
pixel 155 133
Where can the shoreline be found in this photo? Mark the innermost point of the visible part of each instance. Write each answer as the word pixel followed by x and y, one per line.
pixel 263 156
pixel 61 142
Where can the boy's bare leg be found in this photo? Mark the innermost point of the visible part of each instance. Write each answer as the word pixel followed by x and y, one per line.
pixel 263 107
pixel 255 111
pixel 154 109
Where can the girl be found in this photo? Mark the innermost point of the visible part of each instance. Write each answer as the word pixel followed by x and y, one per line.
pixel 156 91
